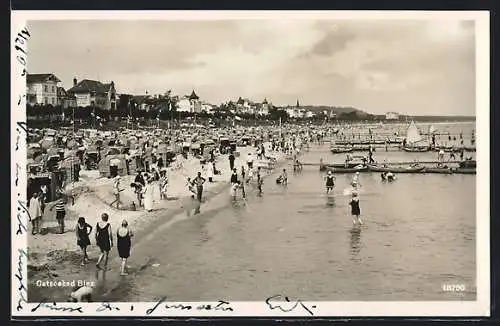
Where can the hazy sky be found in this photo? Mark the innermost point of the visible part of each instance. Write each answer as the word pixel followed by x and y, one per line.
pixel 414 67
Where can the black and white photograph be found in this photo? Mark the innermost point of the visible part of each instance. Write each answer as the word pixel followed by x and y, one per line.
pixel 193 162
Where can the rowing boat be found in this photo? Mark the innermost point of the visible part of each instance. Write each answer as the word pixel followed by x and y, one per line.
pixel 438 170
pixel 336 150
pixel 416 169
pixel 416 149
pixel 348 170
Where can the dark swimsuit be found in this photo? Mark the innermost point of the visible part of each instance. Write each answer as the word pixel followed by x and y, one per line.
pixel 103 241
pixel 123 244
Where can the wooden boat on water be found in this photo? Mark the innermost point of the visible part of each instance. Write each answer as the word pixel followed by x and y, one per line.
pixel 413 138
pixel 417 149
pixel 362 168
pixel 337 150
pixel 443 170
pixel 416 169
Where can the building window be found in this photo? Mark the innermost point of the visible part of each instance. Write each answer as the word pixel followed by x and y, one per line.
pixel 46 100
pixel 53 89
pixel 53 101
pixel 45 88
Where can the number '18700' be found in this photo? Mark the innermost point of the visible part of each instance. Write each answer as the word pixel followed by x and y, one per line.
pixel 454 287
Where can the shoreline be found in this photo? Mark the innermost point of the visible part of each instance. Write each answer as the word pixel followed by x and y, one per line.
pixel 64 263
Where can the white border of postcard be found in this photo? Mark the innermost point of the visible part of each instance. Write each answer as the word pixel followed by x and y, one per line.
pixel 20 306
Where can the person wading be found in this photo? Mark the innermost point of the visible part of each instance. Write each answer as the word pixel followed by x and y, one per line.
pixel 104 240
pixel 355 210
pixel 330 182
pixel 260 181
pixel 199 181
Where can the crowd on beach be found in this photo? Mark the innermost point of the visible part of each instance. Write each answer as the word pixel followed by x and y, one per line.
pixel 239 168
pixel 156 181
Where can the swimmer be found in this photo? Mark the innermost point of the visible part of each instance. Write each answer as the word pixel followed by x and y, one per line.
pixel 355 210
pixel 390 177
pixel 355 180
pixel 330 182
pixel 284 178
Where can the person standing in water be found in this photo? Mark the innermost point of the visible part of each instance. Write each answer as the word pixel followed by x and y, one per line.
pixel 284 178
pixel 104 240
pixel 355 210
pixel 260 181
pixel 123 244
pixel 355 180
pixel 330 182
pixel 242 184
pixel 199 181
pixel 82 237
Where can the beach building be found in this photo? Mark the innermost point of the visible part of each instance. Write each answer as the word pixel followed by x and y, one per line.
pixel 142 102
pixel 41 89
pixel 94 93
pixel 392 116
pixel 246 106
pixel 296 111
pixel 64 99
pixel 189 103
pixel 263 108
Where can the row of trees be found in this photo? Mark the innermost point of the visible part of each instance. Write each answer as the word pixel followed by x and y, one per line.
pixel 161 111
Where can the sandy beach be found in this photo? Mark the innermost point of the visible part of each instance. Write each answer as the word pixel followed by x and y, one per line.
pixel 55 256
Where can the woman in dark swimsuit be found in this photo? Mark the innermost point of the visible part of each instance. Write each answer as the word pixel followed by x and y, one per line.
pixel 123 243
pixel 330 182
pixel 355 210
pixel 82 237
pixel 104 239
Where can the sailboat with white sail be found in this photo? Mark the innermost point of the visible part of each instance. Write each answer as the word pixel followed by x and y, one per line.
pixel 413 138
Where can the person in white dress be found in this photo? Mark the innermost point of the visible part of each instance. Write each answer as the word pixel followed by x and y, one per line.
pixel 210 172
pixel 148 196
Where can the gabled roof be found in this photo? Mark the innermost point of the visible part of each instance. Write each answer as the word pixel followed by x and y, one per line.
pixel 40 78
pixel 87 86
pixel 193 96
pixel 61 91
pixel 265 101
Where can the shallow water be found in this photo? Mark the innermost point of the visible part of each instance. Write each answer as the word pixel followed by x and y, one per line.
pixel 418 234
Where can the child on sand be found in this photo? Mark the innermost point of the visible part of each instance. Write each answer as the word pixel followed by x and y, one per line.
pixel 355 210
pixel 82 237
